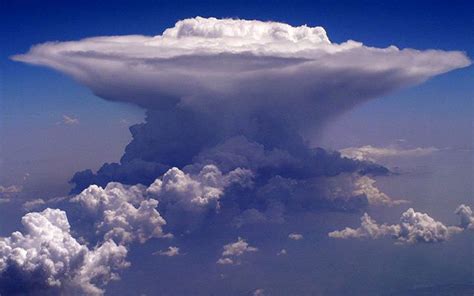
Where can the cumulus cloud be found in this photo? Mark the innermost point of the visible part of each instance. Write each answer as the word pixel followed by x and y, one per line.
pixel 467 219
pixel 282 252
pixel 414 227
pixel 235 249
pixel 194 192
pixel 259 292
pixel 47 258
pixel 238 248
pixel 295 236
pixel 124 213
pixel 371 153
pixel 225 261
pixel 170 252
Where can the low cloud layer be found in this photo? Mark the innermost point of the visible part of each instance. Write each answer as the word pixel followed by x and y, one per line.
pixel 414 227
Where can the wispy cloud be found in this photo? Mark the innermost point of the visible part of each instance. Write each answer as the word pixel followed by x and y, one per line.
pixel 70 120
pixel 170 252
pixel 372 153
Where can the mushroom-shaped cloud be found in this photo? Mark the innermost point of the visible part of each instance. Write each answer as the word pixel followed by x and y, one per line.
pixel 241 66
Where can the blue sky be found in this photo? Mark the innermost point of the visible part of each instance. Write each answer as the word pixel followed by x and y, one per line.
pixel 40 151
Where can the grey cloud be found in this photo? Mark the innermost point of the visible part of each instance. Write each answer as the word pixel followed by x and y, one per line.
pixel 467 219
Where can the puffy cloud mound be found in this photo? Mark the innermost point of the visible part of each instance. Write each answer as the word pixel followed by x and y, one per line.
pixel 238 248
pixel 124 213
pixel 467 219
pixel 47 259
pixel 130 213
pixel 195 192
pixel 414 227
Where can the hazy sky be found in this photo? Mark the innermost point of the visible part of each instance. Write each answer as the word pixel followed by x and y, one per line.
pixel 252 106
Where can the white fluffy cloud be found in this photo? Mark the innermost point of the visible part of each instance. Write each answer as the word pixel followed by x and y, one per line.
pixel 371 153
pixel 128 213
pixel 47 257
pixel 197 192
pixel 414 227
pixel 235 249
pixel 125 214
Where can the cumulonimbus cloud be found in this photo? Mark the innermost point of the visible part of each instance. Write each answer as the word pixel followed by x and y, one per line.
pixel 207 80
pixel 229 103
